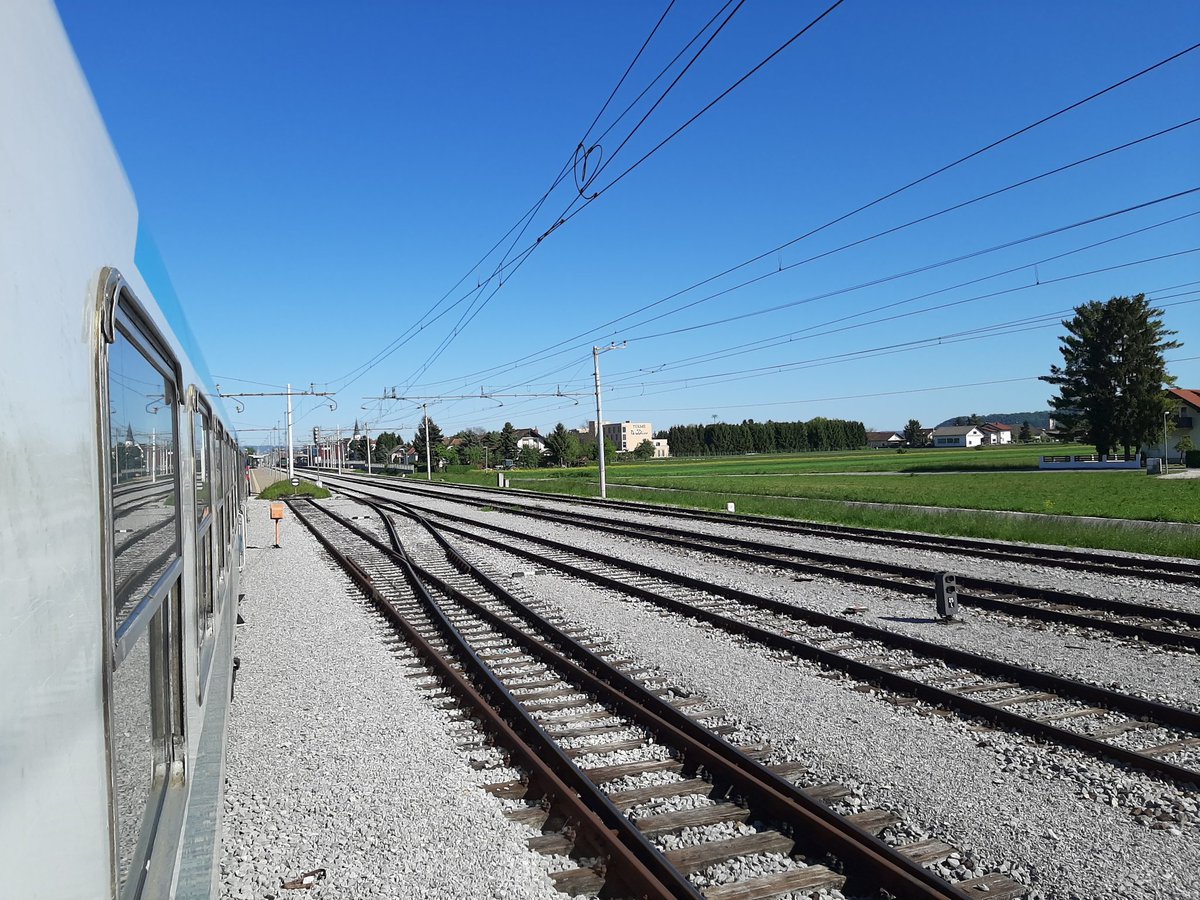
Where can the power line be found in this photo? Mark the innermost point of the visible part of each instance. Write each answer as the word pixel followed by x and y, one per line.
pixel 862 208
pixel 523 223
pixel 927 268
pixel 801 335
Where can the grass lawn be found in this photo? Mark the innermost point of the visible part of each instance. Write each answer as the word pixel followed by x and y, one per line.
pixel 1120 495
pixel 283 490
pixel 1022 456
pixel 994 479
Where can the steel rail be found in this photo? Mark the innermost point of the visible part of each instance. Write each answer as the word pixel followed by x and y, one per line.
pixel 819 563
pixel 633 861
pixel 1176 571
pixel 1172 570
pixel 1125 703
pixel 791 558
pixel 771 794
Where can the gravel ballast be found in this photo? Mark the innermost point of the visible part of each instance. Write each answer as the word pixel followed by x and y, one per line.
pixel 337 761
pixel 1144 669
pixel 1065 822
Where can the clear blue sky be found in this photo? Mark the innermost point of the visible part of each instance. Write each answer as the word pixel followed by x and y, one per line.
pixel 318 176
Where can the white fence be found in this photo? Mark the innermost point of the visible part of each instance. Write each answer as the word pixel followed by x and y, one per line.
pixel 1090 461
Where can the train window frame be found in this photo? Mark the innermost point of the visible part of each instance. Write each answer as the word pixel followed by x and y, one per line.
pixel 154 616
pixel 206 584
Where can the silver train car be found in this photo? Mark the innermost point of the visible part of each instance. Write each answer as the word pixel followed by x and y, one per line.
pixel 122 494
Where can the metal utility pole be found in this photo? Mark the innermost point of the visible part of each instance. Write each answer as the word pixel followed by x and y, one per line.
pixel 289 393
pixel 291 470
pixel 1166 415
pixel 596 351
pixel 339 449
pixel 428 466
pixel 367 433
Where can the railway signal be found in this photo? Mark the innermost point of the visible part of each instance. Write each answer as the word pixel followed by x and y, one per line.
pixel 945 589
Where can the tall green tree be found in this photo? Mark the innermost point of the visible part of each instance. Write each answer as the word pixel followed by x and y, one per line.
pixel 1026 433
pixel 1113 372
pixel 644 450
pixel 529 457
pixel 508 441
pixel 914 434
pixel 562 444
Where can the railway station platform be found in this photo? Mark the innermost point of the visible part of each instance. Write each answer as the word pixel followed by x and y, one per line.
pixel 337 760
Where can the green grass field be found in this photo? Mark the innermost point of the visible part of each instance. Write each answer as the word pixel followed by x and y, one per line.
pixel 1117 495
pixel 816 487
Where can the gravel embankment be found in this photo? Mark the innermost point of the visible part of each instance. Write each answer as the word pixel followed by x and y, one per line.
pixel 1134 589
pixel 1162 674
pixel 337 761
pixel 1073 826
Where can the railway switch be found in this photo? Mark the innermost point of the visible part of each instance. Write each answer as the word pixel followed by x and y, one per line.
pixel 945 588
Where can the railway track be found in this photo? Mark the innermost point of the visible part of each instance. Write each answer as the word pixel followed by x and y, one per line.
pixel 569 718
pixel 1142 733
pixel 1165 570
pixel 1158 625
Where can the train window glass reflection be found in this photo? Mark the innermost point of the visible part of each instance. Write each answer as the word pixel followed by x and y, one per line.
pixel 141 746
pixel 200 447
pixel 142 458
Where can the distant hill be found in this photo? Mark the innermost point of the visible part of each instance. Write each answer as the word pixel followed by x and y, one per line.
pixel 1035 419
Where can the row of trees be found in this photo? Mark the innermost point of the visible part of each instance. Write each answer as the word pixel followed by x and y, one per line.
pixel 722 438
pixel 1110 388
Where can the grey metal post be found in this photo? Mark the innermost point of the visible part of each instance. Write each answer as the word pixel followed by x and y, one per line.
pixel 1166 415
pixel 596 351
pixel 599 424
pixel 339 449
pixel 291 470
pixel 367 433
pixel 428 466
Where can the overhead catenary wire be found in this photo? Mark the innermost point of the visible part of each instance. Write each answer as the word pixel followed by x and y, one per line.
pixel 943 263
pixel 522 223
pixel 477 305
pixel 940 170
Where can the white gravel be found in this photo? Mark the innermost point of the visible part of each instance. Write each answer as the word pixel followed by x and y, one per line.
pixel 1074 826
pixel 1165 674
pixel 337 761
pixel 1131 588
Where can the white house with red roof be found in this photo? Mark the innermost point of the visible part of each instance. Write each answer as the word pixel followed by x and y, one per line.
pixel 1183 421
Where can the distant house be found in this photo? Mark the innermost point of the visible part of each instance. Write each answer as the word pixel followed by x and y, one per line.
pixel 958 436
pixel 662 449
pixel 404 456
pixel 1184 421
pixel 881 439
pixel 529 437
pixel 996 433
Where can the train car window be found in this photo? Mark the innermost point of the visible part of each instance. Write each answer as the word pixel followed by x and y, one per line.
pixel 218 494
pixel 200 428
pixel 147 734
pixel 142 457
pixel 203 486
pixel 144 562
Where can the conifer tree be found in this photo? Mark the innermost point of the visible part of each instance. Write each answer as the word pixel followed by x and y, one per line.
pixel 1113 372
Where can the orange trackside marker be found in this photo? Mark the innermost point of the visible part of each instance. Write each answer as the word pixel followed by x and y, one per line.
pixel 276 515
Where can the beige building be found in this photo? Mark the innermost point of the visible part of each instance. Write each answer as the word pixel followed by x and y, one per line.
pixel 625 436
